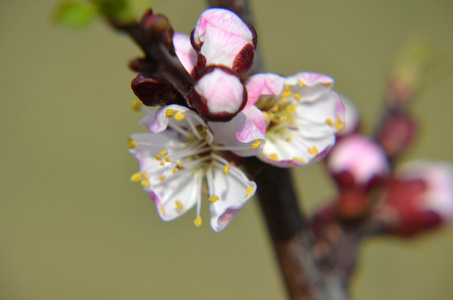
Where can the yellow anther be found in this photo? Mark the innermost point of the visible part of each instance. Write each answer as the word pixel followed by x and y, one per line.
pixel 226 170
pixel 313 150
pixel 131 143
pixel 287 88
pixel 162 177
pixel 272 116
pixel 300 83
pixel 145 175
pixel 266 116
pixel 273 156
pixel 175 170
pixel 179 205
pixel 284 118
pixel 249 191
pixel 289 139
pixel 256 144
pixel 286 94
pixel 167 159
pixel 169 112
pixel 204 129
pixel 297 96
pixel 179 116
pixel 329 121
pixel 197 221
pixel 179 164
pixel 136 177
pixel 291 108
pixel 338 124
pixel 161 163
pixel 162 211
pixel 136 105
pixel 145 183
pixel 163 152
pixel 299 160
pixel 213 198
pixel 157 156
pixel 327 84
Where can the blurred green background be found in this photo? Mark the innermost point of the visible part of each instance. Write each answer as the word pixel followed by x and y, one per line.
pixel 72 225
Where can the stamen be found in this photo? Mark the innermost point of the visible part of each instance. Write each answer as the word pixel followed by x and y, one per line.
pixel 329 121
pixel 289 139
pixel 338 124
pixel 226 170
pixel 169 112
pixel 162 178
pixel 249 191
pixel 145 175
pixel 145 183
pixel 131 143
pixel 273 156
pixel 163 152
pixel 158 157
pixel 298 159
pixel 256 144
pixel 167 159
pixel 179 116
pixel 136 105
pixel 313 150
pixel 197 221
pixel 213 198
pixel 179 205
pixel 301 83
pixel 136 177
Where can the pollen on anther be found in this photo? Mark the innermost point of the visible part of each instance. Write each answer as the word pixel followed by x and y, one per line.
pixel 136 105
pixel 329 121
pixel 158 157
pixel 131 143
pixel 313 150
pixel 162 211
pixel 179 116
pixel 249 191
pixel 167 159
pixel 197 221
pixel 213 198
pixel 338 124
pixel 204 129
pixel 145 175
pixel 162 178
pixel 163 152
pixel 179 164
pixel 169 112
pixel 289 139
pixel 179 205
pixel 297 96
pixel 145 183
pixel 256 144
pixel 226 170
pixel 273 156
pixel 136 177
pixel 298 159
pixel 301 83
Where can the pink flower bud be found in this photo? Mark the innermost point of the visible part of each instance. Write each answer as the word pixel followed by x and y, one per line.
pixel 222 38
pixel 218 95
pixel 357 161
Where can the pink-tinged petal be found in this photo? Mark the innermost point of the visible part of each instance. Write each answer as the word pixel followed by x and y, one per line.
pixel 231 193
pixel 306 86
pixel 221 35
pixel 320 117
pixel 240 136
pixel 295 150
pixel 265 84
pixel 360 156
pixel 438 177
pixel 184 50
pixel 351 116
pixel 219 95
pixel 257 117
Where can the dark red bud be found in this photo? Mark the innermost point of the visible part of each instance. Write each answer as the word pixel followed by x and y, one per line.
pixel 155 90
pixel 397 134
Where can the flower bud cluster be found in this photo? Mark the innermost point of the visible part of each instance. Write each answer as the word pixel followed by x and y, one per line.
pixel 208 116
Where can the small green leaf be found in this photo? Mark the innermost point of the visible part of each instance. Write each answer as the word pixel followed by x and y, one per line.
pixel 76 14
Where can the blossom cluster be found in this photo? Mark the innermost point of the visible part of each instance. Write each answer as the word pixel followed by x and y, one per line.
pixel 196 142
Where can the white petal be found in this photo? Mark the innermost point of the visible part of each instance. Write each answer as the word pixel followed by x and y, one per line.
pixel 308 85
pixel 233 190
pixel 177 194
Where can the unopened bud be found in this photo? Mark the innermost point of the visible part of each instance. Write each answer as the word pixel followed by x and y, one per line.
pixel 155 90
pixel 218 95
pixel 397 134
